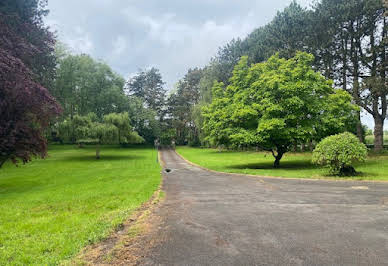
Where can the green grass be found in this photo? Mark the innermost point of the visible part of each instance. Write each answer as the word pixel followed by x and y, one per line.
pixel 50 209
pixel 297 165
pixel 370 139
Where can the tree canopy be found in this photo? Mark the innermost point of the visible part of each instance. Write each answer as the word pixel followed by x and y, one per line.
pixel 275 104
pixel 26 66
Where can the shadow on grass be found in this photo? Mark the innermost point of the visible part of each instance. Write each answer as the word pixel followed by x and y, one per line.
pixel 92 158
pixel 294 165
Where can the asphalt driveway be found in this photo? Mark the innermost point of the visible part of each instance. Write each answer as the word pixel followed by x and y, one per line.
pixel 221 219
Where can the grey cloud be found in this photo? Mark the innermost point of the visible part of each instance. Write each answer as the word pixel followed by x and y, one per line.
pixel 172 35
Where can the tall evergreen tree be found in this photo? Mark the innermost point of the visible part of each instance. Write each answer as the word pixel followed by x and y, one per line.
pixel 148 85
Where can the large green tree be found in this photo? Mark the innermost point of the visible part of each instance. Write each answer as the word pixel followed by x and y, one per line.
pixel 148 85
pixel 275 104
pixel 84 85
pixel 347 38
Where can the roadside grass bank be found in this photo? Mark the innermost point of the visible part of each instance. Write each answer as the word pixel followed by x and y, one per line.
pixel 293 165
pixel 50 209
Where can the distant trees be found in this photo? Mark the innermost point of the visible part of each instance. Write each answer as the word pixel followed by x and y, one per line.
pixel 180 107
pixel 84 85
pixel 27 64
pixel 274 105
pixel 148 85
pixel 144 120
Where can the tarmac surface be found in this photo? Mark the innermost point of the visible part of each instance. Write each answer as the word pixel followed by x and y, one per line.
pixel 220 219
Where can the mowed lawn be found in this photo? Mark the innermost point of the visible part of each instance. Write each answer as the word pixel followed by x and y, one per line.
pixel 297 165
pixel 370 139
pixel 50 209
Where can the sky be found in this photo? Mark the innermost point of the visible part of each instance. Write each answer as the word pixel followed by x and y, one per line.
pixel 171 35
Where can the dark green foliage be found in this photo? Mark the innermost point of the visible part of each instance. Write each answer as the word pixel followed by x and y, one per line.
pixel 144 120
pixel 180 107
pixel 148 86
pixel 339 153
pixel 347 38
pixel 167 137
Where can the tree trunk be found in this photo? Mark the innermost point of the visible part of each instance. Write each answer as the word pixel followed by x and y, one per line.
pixel 295 147
pixel 360 133
pixel 379 133
pixel 278 156
pixel 311 146
pixel 98 151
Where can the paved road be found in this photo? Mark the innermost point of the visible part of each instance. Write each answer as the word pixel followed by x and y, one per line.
pixel 220 219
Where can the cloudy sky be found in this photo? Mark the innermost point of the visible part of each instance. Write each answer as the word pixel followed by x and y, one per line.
pixel 171 35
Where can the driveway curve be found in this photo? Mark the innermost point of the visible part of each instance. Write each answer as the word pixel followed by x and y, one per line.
pixel 219 219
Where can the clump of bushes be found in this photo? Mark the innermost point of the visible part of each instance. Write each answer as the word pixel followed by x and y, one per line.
pixel 339 153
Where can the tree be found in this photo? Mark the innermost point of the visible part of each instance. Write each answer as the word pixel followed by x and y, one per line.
pixel 148 86
pixel 273 105
pixel 347 38
pixel 123 124
pixel 355 36
pixel 26 63
pixel 84 85
pixel 144 119
pixel 114 128
pixel 181 105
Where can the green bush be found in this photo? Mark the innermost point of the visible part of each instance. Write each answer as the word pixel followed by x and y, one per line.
pixel 339 153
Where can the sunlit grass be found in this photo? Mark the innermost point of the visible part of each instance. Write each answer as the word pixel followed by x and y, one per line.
pixel 50 209
pixel 296 165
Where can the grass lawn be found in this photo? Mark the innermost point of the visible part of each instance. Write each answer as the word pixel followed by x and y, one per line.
pixel 50 209
pixel 370 139
pixel 292 165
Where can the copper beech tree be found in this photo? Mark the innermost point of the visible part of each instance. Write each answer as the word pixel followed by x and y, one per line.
pixel 26 65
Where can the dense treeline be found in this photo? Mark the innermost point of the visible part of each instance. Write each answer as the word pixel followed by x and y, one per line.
pixel 88 88
pixel 47 93
pixel 42 87
pixel 347 38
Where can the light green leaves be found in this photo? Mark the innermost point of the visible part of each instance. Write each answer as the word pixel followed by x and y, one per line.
pixel 339 152
pixel 275 104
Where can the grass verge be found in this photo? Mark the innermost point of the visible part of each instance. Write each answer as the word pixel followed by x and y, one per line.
pixel 50 209
pixel 293 165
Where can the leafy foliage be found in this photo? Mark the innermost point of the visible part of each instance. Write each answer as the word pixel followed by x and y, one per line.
pixel 84 85
pixel 26 62
pixel 113 128
pixel 144 120
pixel 339 152
pixel 148 86
pixel 347 39
pixel 181 104
pixel 274 105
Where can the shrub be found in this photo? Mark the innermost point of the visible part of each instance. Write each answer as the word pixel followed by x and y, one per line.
pixel 339 152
